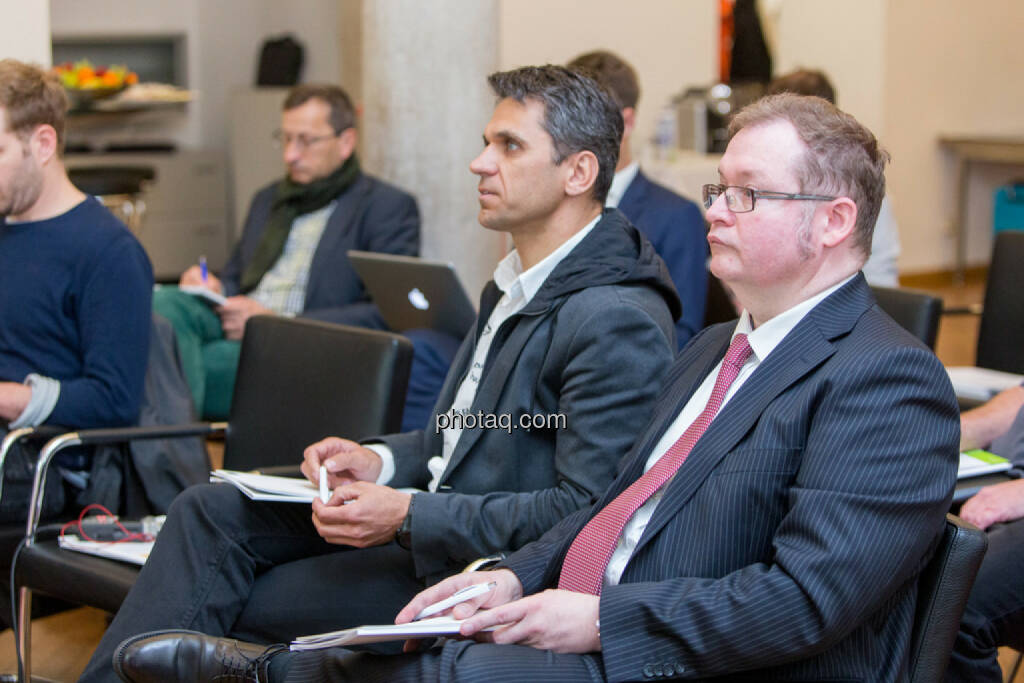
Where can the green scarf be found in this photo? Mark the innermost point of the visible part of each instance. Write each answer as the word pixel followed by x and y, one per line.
pixel 291 201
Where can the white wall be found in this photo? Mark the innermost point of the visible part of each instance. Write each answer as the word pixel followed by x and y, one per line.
pixel 671 43
pixel 951 67
pixel 844 39
pixel 223 39
pixel 25 31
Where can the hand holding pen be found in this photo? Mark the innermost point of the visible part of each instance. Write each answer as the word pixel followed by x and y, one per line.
pixel 200 275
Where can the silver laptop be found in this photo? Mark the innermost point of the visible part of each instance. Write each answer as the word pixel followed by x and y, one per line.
pixel 413 293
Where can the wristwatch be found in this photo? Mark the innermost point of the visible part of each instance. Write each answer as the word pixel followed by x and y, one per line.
pixel 403 536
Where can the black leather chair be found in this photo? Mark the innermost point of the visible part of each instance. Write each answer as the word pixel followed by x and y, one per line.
pixel 943 589
pixel 718 307
pixel 917 312
pixel 1001 333
pixel 298 381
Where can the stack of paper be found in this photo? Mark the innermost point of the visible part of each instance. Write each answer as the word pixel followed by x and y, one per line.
pixel 425 628
pixel 268 487
pixel 981 384
pixel 134 552
pixel 205 293
pixel 978 462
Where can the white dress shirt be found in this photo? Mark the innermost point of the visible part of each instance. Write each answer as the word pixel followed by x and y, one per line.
pixel 762 341
pixel 282 289
pixel 519 288
pixel 620 183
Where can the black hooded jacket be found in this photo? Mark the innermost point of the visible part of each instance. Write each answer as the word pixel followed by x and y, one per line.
pixel 593 345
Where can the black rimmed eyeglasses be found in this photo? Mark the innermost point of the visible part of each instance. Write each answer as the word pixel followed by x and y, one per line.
pixel 282 139
pixel 742 199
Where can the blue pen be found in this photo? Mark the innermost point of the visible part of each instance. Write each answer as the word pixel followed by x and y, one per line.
pixel 202 268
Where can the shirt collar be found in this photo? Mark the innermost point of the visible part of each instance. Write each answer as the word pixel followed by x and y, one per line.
pixel 620 183
pixel 770 334
pixel 515 283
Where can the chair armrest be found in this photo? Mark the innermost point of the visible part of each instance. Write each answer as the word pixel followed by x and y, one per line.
pixel 28 434
pixel 92 437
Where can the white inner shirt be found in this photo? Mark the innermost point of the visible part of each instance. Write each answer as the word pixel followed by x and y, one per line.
pixel 282 289
pixel 620 183
pixel 762 341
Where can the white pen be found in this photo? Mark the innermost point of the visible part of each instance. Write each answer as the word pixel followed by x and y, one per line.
pixel 467 593
pixel 325 493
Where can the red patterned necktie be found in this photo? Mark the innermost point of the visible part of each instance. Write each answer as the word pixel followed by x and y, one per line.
pixel 584 565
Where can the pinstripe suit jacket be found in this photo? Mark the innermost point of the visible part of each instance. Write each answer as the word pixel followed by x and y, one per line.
pixel 787 546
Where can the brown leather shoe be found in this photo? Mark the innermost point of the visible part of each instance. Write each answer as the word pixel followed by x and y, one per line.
pixel 187 656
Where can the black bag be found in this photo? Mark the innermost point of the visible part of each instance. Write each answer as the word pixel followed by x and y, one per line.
pixel 280 62
pixel 19 473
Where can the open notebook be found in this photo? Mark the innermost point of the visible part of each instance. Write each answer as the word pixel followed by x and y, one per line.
pixel 978 462
pixel 268 487
pixel 424 628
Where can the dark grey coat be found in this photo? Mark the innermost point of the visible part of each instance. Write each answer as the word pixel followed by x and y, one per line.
pixel 594 344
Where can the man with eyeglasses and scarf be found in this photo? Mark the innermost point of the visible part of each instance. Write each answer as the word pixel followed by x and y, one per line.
pixel 292 257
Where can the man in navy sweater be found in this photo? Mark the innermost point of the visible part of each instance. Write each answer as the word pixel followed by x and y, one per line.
pixel 74 286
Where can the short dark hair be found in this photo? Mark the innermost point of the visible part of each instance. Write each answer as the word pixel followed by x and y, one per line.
pixel 842 158
pixel 579 113
pixel 343 114
pixel 613 72
pixel 32 96
pixel 803 82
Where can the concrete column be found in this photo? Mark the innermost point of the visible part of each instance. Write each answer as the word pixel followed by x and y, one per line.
pixel 426 102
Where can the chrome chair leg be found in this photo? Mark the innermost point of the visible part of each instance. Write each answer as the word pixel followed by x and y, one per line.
pixel 25 633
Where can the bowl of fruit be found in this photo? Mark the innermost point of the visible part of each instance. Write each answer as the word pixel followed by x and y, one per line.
pixel 85 83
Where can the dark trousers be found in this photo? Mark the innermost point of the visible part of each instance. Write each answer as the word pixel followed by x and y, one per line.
pixel 258 571
pixel 454 661
pixel 994 616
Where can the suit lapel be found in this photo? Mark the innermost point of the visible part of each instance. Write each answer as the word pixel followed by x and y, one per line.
pixel 806 347
pixel 633 199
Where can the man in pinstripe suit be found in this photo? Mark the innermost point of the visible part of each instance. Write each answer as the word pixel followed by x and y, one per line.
pixel 808 488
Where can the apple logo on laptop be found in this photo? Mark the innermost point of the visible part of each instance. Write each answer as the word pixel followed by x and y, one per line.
pixel 417 299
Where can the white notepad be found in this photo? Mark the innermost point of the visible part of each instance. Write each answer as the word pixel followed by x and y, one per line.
pixel 269 487
pixel 425 628
pixel 977 462
pixel 205 293
pixel 134 552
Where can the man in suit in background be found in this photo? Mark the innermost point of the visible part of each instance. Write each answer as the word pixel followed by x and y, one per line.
pixel 291 259
pixel 578 322
pixel 773 517
pixel 673 224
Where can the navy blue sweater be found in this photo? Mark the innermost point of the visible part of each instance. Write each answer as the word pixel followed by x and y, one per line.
pixel 75 295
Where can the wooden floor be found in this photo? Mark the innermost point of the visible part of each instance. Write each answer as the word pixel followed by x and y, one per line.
pixel 63 643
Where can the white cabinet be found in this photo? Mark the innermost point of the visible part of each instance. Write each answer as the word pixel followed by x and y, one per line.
pixel 186 206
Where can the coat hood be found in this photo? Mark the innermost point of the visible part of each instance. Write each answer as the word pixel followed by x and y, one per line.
pixel 613 253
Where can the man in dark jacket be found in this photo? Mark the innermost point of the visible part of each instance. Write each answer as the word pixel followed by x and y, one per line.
pixel 292 258
pixel 547 392
pixel 773 517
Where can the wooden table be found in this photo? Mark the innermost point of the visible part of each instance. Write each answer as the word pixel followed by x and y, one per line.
pixel 1005 149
